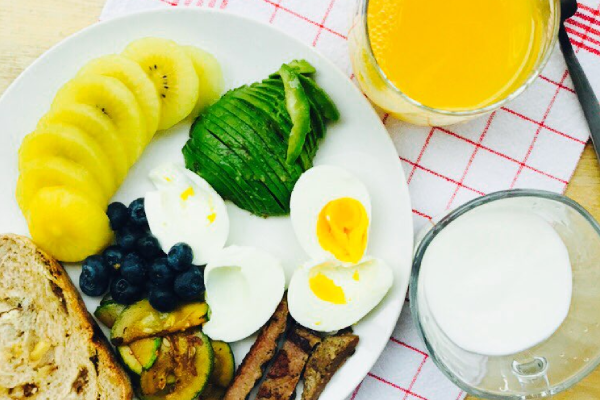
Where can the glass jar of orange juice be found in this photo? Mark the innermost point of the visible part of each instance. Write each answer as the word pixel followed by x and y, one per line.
pixel 440 62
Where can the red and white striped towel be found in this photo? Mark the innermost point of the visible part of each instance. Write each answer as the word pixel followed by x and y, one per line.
pixel 534 142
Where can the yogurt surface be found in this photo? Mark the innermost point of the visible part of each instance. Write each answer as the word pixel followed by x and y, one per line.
pixel 497 281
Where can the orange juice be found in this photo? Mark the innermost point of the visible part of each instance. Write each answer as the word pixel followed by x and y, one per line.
pixel 457 55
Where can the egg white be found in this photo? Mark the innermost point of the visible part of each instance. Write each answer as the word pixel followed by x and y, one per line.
pixel 200 220
pixel 364 285
pixel 314 190
pixel 244 286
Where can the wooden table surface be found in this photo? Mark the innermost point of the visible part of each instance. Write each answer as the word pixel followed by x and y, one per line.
pixel 30 27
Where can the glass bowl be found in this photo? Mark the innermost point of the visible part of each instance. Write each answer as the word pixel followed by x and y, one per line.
pixel 386 95
pixel 559 362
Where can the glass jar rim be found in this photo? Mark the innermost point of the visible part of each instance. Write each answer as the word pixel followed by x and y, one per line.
pixel 477 111
pixel 430 236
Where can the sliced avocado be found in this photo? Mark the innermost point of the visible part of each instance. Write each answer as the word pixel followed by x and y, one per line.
pixel 108 312
pixel 106 299
pixel 146 351
pixel 260 93
pixel 243 137
pixel 322 100
pixel 189 358
pixel 262 177
pixel 224 364
pixel 270 110
pixel 270 140
pixel 204 159
pixel 300 66
pixel 255 182
pixel 200 163
pixel 129 360
pixel 141 320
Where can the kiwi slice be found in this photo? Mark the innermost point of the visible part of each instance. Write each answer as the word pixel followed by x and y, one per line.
pixel 173 74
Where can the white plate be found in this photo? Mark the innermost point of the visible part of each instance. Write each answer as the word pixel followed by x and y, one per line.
pixel 248 51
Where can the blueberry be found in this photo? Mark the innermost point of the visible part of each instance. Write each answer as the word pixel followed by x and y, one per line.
pixel 134 269
pixel 148 247
pixel 128 237
pixel 189 285
pixel 118 215
pixel 162 299
pixel 113 257
pixel 125 292
pixel 137 213
pixel 161 274
pixel 180 257
pixel 94 277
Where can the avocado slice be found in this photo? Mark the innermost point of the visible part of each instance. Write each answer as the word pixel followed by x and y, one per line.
pixel 261 182
pixel 265 130
pixel 199 162
pixel 248 138
pixel 322 100
pixel 260 93
pixel 140 320
pixel 299 66
pixel 108 312
pixel 189 358
pixel 280 116
pixel 254 198
pixel 224 369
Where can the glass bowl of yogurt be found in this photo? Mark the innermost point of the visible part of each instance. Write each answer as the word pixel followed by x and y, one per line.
pixel 505 293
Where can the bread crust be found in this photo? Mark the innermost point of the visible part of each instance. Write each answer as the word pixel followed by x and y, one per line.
pixel 105 364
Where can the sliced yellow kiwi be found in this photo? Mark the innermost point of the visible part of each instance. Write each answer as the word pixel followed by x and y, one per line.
pixel 58 171
pixel 114 99
pixel 210 77
pixel 69 142
pixel 132 75
pixel 68 225
pixel 173 74
pixel 98 126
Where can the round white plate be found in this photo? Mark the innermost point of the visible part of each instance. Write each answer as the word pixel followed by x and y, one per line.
pixel 248 51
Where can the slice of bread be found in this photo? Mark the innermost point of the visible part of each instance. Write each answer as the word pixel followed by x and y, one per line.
pixel 50 346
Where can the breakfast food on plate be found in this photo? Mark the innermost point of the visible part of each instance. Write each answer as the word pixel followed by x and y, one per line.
pixel 237 280
pixel 79 217
pixel 331 214
pixel 50 345
pixel 98 126
pixel 141 320
pixel 329 296
pixel 185 208
pixel 261 352
pixel 285 371
pixel 325 361
pixel 210 77
pixel 173 74
pixel 240 144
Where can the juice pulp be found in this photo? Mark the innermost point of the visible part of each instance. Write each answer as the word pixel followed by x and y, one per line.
pixel 457 54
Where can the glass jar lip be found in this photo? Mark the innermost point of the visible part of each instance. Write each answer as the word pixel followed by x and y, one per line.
pixel 482 110
pixel 422 248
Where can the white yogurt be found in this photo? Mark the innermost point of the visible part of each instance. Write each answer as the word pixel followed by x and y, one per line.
pixel 497 281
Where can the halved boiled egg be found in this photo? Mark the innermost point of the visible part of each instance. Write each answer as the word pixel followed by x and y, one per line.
pixel 328 296
pixel 185 208
pixel 331 213
pixel 244 286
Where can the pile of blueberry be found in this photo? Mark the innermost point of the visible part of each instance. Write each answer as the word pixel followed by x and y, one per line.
pixel 136 266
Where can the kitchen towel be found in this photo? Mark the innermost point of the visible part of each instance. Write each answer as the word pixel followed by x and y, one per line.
pixel 533 142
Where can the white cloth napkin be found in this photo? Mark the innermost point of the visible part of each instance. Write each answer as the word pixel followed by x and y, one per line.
pixel 534 142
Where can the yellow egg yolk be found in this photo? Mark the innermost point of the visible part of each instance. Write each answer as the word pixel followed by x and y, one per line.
pixel 187 193
pixel 342 229
pixel 326 289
